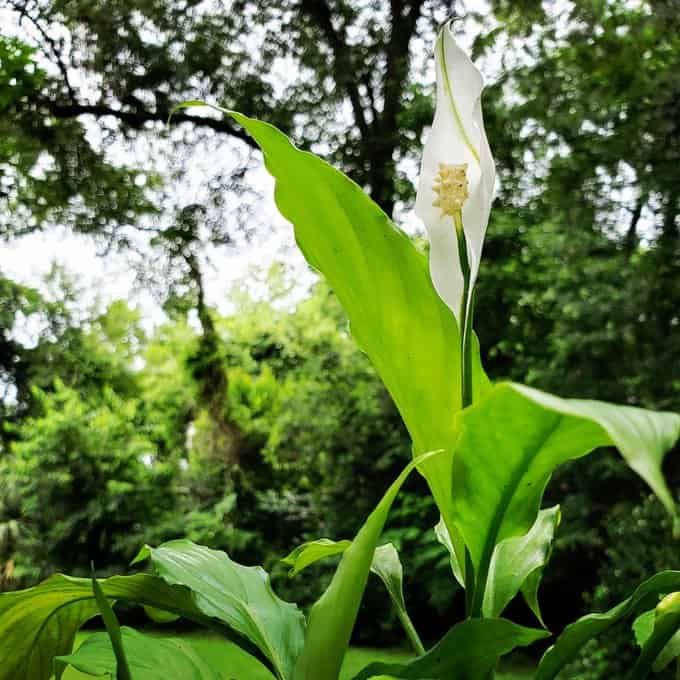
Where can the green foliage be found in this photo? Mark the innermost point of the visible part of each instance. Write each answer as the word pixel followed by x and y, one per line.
pixel 517 564
pixel 308 553
pixel 113 632
pixel 660 639
pixel 150 657
pixel 537 432
pixel 469 651
pixel 40 623
pixel 257 410
pixel 383 283
pixel 388 568
pixel 86 461
pixel 239 596
pixel 645 626
pixel 572 639
pixel 333 615
pixel 638 542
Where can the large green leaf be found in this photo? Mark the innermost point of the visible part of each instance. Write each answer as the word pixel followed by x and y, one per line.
pixel 332 617
pixel 383 283
pixel 512 440
pixel 577 634
pixel 149 658
pixel 40 623
pixel 517 558
pixel 469 651
pixel 239 596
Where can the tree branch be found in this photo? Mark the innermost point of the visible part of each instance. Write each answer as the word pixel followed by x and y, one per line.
pixel 56 53
pixel 320 13
pixel 631 239
pixel 137 119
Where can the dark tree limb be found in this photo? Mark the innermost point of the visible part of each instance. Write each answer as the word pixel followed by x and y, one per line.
pixel 385 140
pixel 137 119
pixel 631 238
pixel 319 12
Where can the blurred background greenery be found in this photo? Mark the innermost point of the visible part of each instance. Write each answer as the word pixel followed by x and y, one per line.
pixel 252 423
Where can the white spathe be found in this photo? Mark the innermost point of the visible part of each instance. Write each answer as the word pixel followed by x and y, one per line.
pixel 457 136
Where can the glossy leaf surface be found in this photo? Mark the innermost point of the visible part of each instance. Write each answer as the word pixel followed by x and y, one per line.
pixel 113 631
pixel 40 623
pixel 239 596
pixel 383 283
pixel 515 559
pixel 387 567
pixel 512 440
pixel 643 627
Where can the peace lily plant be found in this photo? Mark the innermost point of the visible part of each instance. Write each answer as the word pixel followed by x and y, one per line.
pixel 486 451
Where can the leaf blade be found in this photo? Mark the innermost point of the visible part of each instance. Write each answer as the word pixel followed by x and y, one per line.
pixel 383 282
pixel 150 658
pixel 515 559
pixel 469 651
pixel 39 623
pixel 332 617
pixel 122 670
pixel 310 552
pixel 536 432
pixel 386 565
pixel 239 596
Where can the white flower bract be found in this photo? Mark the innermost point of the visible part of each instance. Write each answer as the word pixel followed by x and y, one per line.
pixel 457 138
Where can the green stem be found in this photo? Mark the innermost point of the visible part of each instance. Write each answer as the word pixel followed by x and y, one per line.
pixel 411 632
pixel 465 317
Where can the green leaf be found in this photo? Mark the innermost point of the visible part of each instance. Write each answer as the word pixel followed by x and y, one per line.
pixel 312 551
pixel 530 591
pixel 383 283
pixel 512 440
pixel 40 623
pixel 442 533
pixel 239 596
pixel 332 617
pixel 160 616
pixel 113 631
pixel 643 627
pixel 577 634
pixel 469 651
pixel 515 559
pixel 387 567
pixel 662 644
pixel 150 658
